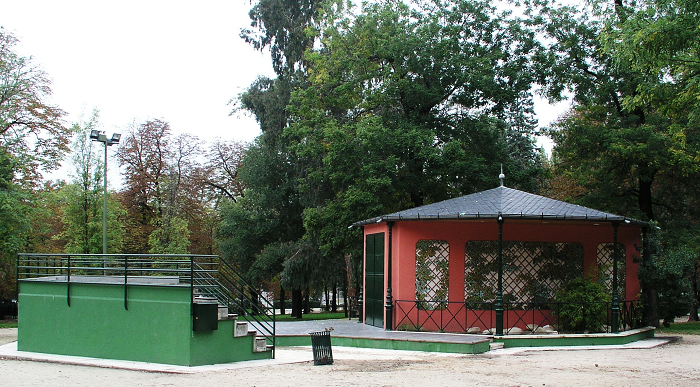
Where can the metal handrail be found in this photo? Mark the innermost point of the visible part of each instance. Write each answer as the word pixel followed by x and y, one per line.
pixel 235 292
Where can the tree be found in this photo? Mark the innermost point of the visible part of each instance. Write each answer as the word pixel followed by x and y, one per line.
pixel 287 28
pixel 269 171
pixel 14 224
pixel 660 41
pixel 408 105
pixel 626 143
pixel 82 198
pixel 216 182
pixel 47 227
pixel 167 191
pixel 220 171
pixel 31 130
pixel 144 154
pixel 394 107
pixel 32 137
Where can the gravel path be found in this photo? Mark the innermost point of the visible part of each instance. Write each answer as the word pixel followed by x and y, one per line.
pixel 675 364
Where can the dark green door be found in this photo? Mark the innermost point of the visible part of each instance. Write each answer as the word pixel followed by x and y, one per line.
pixel 374 280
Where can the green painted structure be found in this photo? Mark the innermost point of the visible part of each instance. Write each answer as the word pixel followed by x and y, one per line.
pixel 621 338
pixel 403 345
pixel 140 322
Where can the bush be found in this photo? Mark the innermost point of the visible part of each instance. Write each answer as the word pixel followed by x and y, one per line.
pixel 583 306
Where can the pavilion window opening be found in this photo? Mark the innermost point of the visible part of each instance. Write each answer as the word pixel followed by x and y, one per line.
pixel 432 274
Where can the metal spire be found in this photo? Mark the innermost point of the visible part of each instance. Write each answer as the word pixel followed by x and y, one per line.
pixel 502 176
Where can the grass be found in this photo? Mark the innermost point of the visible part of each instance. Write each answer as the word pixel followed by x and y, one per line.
pixel 8 323
pixel 311 316
pixel 688 328
pixel 308 317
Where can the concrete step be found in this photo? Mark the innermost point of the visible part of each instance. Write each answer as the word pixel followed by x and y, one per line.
pixel 493 346
pixel 260 345
pixel 240 329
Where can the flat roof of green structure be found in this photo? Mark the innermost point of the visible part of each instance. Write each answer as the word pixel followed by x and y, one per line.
pixel 108 279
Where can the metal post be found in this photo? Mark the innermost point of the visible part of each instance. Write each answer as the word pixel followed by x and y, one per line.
pixel 126 281
pixel 96 135
pixel 68 281
pixel 192 286
pixel 360 309
pixel 104 209
pixel 389 306
pixel 615 309
pixel 499 293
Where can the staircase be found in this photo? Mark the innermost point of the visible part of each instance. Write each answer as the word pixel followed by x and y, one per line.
pixel 215 281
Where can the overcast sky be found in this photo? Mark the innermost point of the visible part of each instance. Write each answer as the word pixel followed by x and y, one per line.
pixel 136 60
pixel 181 62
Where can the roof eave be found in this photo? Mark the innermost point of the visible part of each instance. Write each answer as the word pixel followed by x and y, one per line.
pixel 478 216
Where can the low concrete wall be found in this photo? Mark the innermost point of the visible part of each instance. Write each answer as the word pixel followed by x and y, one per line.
pixel 575 340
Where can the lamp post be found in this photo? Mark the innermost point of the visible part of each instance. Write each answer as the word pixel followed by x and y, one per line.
pixel 98 136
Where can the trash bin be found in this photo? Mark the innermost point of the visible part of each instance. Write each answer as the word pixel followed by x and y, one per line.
pixel 321 345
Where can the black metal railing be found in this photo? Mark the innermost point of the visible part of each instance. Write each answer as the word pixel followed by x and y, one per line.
pixel 205 275
pixel 217 278
pixel 530 317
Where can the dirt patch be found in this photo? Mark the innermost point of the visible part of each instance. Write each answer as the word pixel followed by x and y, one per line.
pixel 8 335
pixel 673 364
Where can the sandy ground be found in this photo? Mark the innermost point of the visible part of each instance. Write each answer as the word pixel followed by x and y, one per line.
pixel 675 364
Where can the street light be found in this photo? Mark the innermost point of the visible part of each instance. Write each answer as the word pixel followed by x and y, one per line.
pixel 98 136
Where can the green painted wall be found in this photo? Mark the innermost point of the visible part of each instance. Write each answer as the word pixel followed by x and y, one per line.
pixel 575 340
pixel 478 347
pixel 157 327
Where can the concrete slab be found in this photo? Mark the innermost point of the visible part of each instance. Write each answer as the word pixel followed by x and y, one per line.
pixel 353 329
pixel 641 344
pixel 295 355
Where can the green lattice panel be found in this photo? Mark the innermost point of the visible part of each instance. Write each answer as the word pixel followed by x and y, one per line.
pixel 532 271
pixel 432 273
pixel 605 267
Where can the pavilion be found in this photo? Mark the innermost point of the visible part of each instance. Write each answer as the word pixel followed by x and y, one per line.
pixel 481 261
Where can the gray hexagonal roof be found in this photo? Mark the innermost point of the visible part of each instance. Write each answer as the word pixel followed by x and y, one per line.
pixel 503 201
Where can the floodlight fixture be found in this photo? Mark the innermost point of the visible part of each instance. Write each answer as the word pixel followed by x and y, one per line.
pixel 115 138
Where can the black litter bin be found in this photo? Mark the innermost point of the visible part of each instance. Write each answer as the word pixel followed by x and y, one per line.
pixel 321 345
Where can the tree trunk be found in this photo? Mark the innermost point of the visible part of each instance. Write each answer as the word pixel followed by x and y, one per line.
pixel 346 301
pixel 307 307
pixel 694 289
pixel 644 199
pixel 651 308
pixel 649 293
pixel 297 304
pixel 334 302
pixel 282 303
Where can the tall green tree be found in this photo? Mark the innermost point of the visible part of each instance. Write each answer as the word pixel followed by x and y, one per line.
pixel 14 224
pixel 83 197
pixel 408 105
pixel 392 107
pixel 31 130
pixel 627 142
pixel 270 172
pixel 33 138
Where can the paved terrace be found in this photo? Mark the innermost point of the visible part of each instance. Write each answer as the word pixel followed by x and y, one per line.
pixel 353 329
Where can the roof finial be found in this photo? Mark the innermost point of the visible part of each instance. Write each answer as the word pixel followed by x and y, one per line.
pixel 501 176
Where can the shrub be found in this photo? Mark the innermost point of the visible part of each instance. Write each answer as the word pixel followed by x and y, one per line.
pixel 583 306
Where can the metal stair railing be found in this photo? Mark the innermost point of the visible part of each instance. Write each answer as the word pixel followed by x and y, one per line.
pixel 214 277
